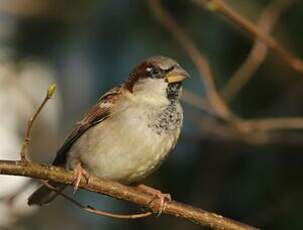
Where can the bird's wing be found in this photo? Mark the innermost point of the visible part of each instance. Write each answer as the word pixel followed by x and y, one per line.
pixel 97 114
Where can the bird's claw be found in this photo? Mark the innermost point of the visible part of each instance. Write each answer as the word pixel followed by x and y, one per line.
pixel 157 195
pixel 163 197
pixel 79 172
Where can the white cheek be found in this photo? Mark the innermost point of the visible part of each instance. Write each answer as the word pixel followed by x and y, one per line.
pixel 151 91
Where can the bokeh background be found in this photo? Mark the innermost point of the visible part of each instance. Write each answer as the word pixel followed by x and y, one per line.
pixel 88 46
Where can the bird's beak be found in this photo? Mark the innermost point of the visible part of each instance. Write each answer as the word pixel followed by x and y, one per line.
pixel 176 75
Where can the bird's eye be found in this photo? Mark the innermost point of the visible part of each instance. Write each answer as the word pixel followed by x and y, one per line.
pixel 153 72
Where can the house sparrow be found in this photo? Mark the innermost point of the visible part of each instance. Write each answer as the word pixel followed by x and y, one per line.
pixel 129 132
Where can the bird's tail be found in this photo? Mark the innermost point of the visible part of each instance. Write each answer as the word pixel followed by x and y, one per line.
pixel 45 195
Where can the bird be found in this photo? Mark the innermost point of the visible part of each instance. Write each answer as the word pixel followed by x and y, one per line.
pixel 128 133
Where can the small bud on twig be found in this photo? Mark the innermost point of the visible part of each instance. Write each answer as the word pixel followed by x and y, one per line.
pixel 51 90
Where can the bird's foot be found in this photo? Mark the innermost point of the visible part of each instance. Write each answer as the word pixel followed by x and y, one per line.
pixel 157 194
pixel 79 172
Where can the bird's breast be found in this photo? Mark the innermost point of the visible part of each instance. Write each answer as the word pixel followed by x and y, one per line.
pixel 129 145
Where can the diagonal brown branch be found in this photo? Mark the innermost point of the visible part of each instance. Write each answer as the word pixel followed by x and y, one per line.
pixel 258 53
pixel 122 192
pixel 236 126
pixel 224 9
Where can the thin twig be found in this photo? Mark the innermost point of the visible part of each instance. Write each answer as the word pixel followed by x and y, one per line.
pixel 117 216
pixel 198 59
pixel 223 8
pixel 93 210
pixel 122 192
pixel 24 149
pixel 258 53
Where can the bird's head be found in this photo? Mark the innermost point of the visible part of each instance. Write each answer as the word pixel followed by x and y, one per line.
pixel 157 79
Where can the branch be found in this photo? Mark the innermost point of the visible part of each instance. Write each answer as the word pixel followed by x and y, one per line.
pixel 224 9
pixel 235 126
pixel 122 192
pixel 258 52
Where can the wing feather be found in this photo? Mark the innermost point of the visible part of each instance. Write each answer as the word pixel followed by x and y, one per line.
pixel 97 114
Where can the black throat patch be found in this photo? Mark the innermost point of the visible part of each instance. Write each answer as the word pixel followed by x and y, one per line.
pixel 173 91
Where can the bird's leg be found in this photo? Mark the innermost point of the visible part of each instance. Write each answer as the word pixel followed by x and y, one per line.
pixel 157 194
pixel 79 172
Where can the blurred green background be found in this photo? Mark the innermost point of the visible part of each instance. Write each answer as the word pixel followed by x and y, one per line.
pixel 93 45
